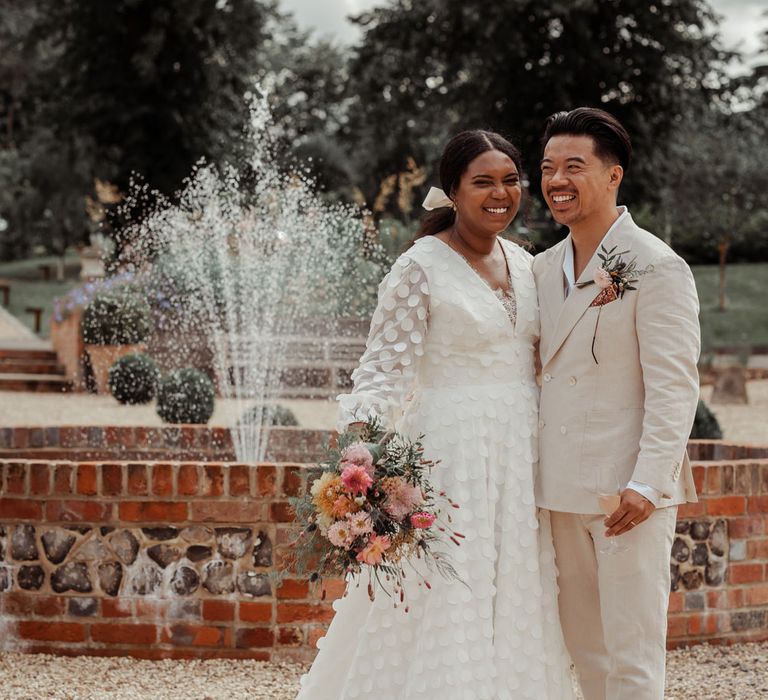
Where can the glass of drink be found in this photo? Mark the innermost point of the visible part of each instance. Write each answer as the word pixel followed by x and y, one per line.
pixel 609 498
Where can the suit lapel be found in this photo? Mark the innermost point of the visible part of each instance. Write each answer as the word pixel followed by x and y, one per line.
pixel 579 299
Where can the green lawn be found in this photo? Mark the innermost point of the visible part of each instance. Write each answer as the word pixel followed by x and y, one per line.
pixel 29 289
pixel 745 320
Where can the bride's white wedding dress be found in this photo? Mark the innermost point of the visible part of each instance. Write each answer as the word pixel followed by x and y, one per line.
pixel 449 359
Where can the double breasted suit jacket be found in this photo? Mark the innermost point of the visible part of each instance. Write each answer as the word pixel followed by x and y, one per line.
pixel 630 405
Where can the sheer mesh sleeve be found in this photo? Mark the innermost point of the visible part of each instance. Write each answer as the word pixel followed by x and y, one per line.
pixel 395 343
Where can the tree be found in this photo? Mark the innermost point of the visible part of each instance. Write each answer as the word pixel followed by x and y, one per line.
pixel 36 175
pixel 426 70
pixel 103 90
pixel 156 86
pixel 306 81
pixel 714 184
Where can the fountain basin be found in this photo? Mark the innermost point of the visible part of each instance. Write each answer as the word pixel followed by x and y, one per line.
pixel 162 555
pixel 159 560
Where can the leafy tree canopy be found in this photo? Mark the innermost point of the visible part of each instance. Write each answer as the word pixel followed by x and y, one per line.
pixel 428 69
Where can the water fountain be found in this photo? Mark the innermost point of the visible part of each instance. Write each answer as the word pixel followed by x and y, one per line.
pixel 251 257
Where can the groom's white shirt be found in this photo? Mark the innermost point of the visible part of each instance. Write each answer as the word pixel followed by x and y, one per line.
pixel 569 274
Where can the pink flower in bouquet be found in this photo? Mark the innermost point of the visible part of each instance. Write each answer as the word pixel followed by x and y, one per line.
pixel 602 278
pixel 356 478
pixel 360 455
pixel 402 497
pixel 373 552
pixel 340 534
pixel 422 520
pixel 360 523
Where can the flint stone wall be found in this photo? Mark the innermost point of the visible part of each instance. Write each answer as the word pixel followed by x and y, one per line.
pixel 155 560
pixel 719 557
pixel 173 557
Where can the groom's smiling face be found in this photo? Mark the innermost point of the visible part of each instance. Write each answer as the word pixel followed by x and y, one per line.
pixel 577 184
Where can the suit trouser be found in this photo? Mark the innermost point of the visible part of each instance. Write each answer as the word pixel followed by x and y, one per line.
pixel 613 607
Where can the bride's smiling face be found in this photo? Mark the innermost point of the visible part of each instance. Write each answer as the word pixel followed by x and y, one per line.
pixel 489 192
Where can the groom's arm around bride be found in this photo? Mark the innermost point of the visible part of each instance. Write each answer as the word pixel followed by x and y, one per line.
pixel 619 347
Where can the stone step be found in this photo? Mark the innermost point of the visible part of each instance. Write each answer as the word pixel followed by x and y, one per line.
pixel 34 383
pixel 29 366
pixel 24 353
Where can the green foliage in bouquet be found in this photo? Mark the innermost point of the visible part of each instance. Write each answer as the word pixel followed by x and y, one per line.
pixel 705 424
pixel 185 396
pixel 372 508
pixel 116 318
pixel 133 379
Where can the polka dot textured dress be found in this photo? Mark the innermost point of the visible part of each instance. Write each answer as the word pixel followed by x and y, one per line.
pixel 445 360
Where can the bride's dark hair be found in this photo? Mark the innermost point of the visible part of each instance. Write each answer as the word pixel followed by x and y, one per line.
pixel 458 153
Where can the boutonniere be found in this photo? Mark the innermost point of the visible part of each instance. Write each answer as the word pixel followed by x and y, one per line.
pixel 614 277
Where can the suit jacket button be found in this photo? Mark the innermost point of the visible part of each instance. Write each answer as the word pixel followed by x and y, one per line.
pixel 541 423
pixel 563 429
pixel 572 381
pixel 547 377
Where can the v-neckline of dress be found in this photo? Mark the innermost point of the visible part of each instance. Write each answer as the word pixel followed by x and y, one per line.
pixel 483 282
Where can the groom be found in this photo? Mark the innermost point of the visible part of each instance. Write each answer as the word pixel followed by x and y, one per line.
pixel 619 346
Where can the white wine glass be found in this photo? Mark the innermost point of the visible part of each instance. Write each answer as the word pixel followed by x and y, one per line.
pixel 609 499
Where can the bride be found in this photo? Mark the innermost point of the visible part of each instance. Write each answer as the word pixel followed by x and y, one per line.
pixel 450 356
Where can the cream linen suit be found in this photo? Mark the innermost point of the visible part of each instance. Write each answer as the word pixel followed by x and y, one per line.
pixel 631 406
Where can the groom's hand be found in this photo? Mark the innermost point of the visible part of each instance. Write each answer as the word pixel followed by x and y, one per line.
pixel 632 510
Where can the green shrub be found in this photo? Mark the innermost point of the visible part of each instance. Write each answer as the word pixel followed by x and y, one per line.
pixel 272 414
pixel 705 425
pixel 185 396
pixel 116 318
pixel 133 379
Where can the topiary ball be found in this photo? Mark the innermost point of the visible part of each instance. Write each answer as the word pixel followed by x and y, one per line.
pixel 119 317
pixel 133 379
pixel 705 424
pixel 185 396
pixel 271 414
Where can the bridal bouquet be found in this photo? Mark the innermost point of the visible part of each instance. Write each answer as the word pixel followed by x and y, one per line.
pixel 373 506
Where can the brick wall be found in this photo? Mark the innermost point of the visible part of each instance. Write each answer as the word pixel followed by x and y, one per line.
pixel 178 443
pixel 154 560
pixel 162 555
pixel 69 347
pixel 720 555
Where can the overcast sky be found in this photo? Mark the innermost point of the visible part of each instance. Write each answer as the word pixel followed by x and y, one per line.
pixel 741 26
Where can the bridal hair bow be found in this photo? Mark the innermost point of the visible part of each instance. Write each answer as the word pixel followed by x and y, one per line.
pixel 437 199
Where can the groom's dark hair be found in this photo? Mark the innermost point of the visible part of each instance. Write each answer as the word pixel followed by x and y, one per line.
pixel 612 142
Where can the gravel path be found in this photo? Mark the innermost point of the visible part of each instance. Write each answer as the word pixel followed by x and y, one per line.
pixel 744 423
pixel 700 673
pixel 35 676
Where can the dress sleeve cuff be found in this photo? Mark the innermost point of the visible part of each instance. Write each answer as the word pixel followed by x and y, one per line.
pixel 362 407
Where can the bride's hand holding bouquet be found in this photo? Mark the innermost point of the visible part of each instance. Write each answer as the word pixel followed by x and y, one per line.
pixel 373 510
